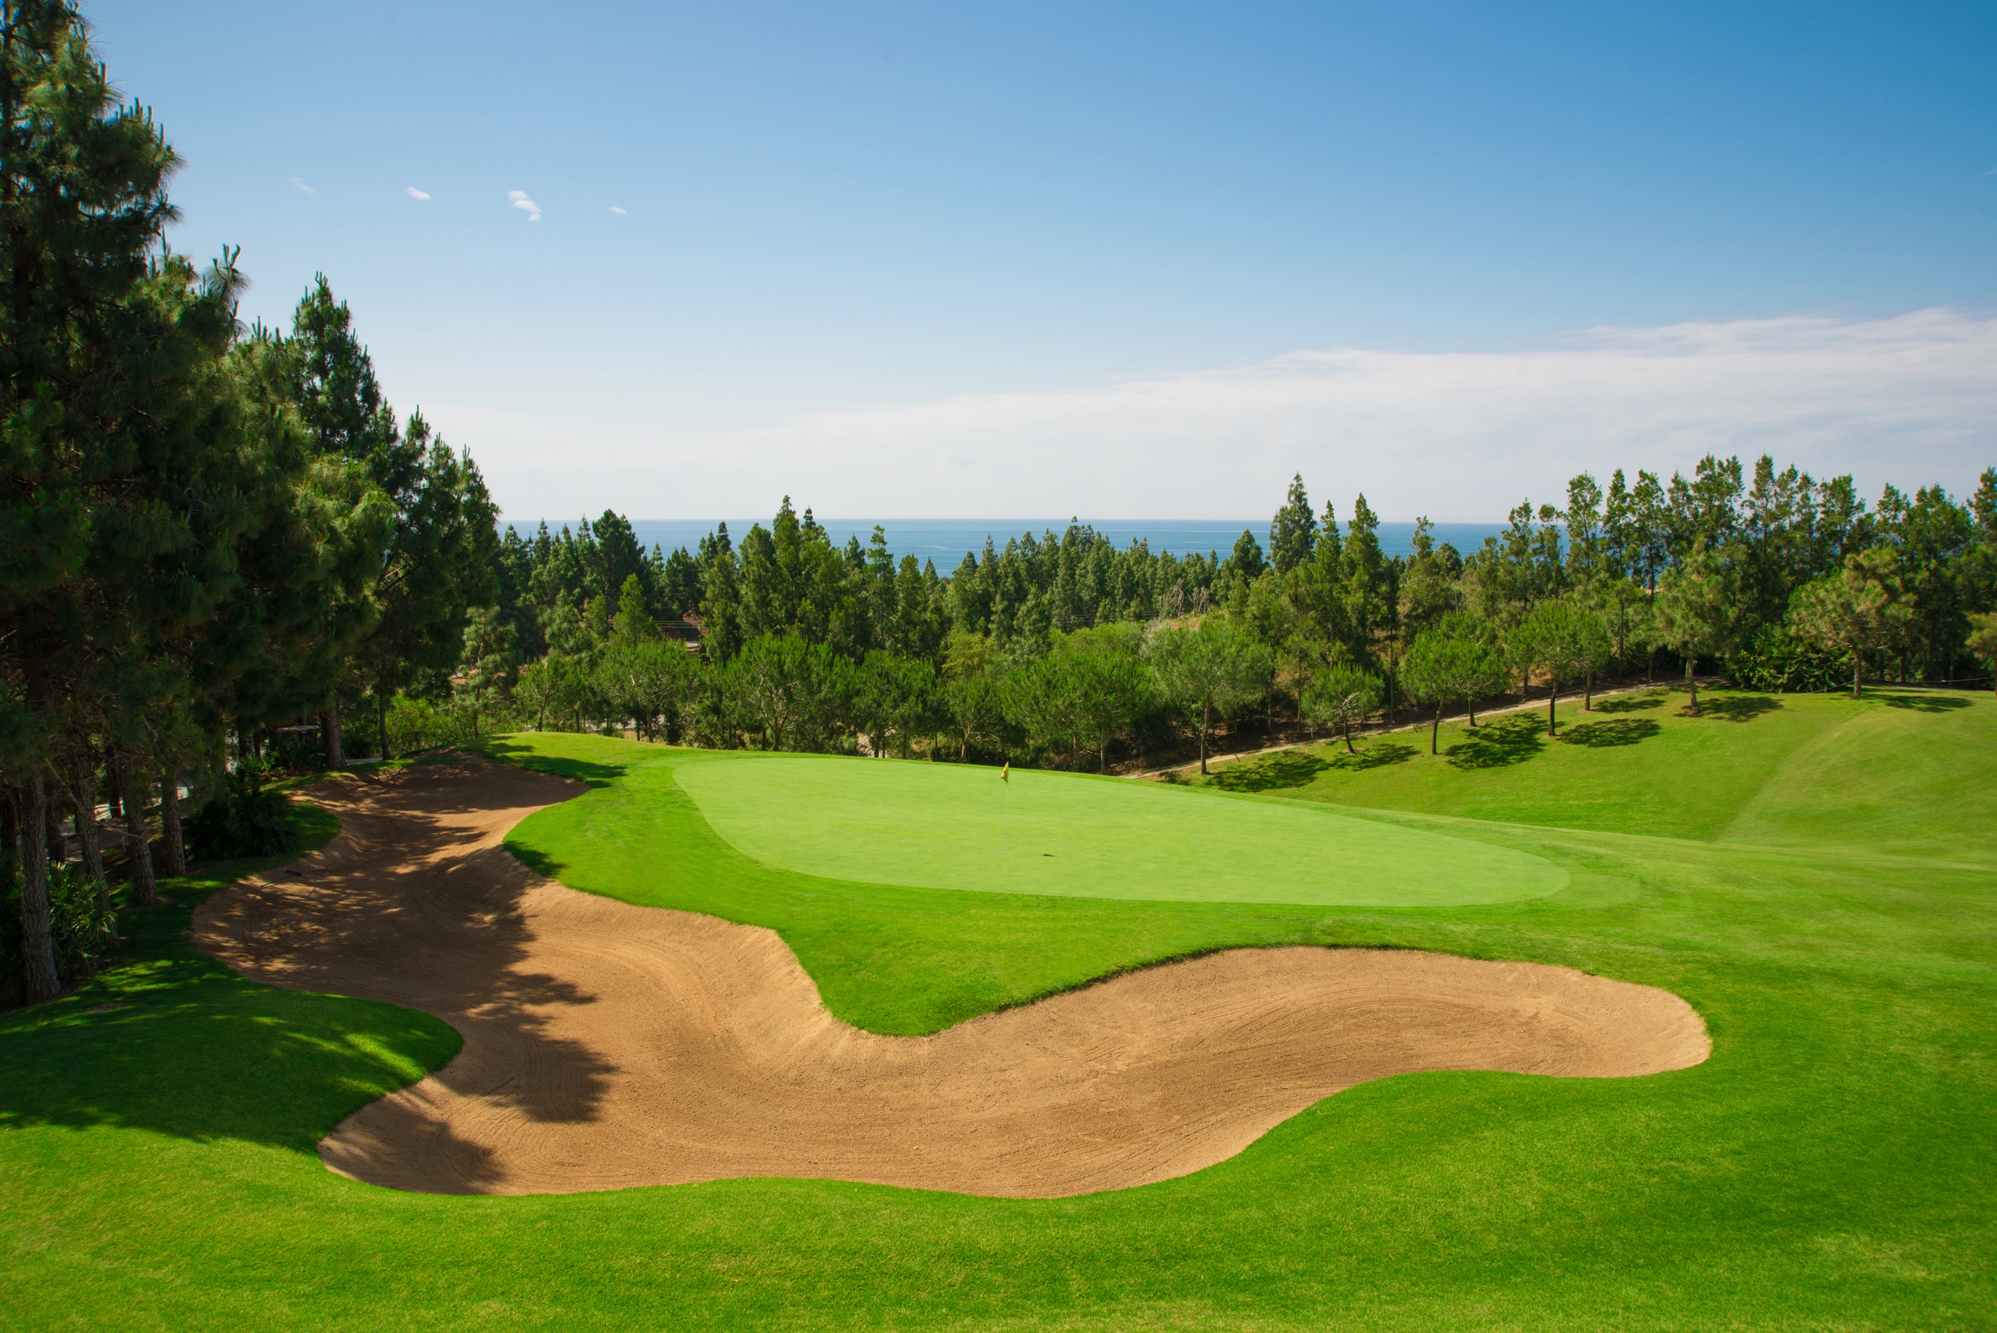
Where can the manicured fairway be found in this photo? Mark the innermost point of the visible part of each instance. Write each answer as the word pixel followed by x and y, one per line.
pixel 1829 1168
pixel 950 826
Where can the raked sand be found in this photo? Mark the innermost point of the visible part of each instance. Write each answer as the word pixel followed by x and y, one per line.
pixel 608 1045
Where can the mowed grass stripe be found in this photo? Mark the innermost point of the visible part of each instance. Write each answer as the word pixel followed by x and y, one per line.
pixel 948 826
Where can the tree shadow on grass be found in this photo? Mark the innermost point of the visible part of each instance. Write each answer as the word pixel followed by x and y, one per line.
pixel 1737 707
pixel 1500 744
pixel 1377 755
pixel 179 1046
pixel 1632 703
pixel 1923 703
pixel 582 770
pixel 1276 772
pixel 1289 769
pixel 177 1042
pixel 1610 734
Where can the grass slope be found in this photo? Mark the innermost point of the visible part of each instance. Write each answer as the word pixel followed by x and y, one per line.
pixel 952 826
pixel 1829 1167
pixel 1751 768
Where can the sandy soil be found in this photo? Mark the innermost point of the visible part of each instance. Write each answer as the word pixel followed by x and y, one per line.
pixel 608 1045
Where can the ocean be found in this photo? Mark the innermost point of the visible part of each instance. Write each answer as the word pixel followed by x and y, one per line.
pixel 945 540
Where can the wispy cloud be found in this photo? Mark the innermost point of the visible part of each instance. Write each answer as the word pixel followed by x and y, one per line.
pixel 521 201
pixel 303 186
pixel 615 209
pixel 415 193
pixel 1459 436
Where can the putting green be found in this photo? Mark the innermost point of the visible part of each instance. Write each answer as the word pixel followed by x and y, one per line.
pixel 952 826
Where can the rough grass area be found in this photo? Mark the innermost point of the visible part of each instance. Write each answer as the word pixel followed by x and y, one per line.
pixel 1816 878
pixel 1751 767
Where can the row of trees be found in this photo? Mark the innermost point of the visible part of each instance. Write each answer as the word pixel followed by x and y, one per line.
pixel 210 531
pixel 1087 689
pixel 1052 647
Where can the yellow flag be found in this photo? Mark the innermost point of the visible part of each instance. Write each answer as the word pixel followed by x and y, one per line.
pixel 1005 774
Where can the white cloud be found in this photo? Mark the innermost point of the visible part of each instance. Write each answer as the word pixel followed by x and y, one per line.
pixel 615 209
pixel 415 193
pixel 1910 399
pixel 521 201
pixel 303 186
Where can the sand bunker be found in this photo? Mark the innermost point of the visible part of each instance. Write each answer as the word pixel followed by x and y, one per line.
pixel 608 1045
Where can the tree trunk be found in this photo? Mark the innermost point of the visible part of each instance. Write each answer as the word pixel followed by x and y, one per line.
pixel 58 846
pixel 1435 730
pixel 1345 730
pixel 329 734
pixel 1206 720
pixel 1588 692
pixel 382 700
pixel 169 820
pixel 37 945
pixel 145 892
pixel 1854 675
pixel 85 794
pixel 1692 684
pixel 93 854
pixel 1470 707
pixel 1552 698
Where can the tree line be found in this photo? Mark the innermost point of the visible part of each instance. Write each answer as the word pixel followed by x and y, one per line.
pixel 212 533
pixel 1066 649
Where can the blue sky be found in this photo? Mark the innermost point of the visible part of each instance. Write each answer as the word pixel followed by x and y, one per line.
pixel 945 260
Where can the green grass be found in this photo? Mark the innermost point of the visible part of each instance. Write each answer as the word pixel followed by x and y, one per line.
pixel 1752 768
pixel 951 826
pixel 1816 878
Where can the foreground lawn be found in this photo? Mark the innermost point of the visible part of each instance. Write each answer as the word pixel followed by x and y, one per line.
pixel 1829 1168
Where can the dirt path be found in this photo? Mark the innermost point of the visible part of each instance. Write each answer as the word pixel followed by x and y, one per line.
pixel 608 1045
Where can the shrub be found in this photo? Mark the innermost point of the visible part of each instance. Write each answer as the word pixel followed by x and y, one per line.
pixel 84 929
pixel 1776 659
pixel 247 819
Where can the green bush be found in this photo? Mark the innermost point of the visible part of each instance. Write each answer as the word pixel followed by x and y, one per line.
pixel 247 819
pixel 415 725
pixel 84 929
pixel 1778 660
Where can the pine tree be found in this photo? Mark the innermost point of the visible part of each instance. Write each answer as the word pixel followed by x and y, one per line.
pixel 1342 696
pixel 117 514
pixel 1698 610
pixel 1293 531
pixel 1208 673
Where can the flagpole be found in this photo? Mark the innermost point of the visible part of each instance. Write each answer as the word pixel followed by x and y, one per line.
pixel 1005 776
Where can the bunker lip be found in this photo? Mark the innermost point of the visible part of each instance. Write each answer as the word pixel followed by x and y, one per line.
pixel 608 1045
